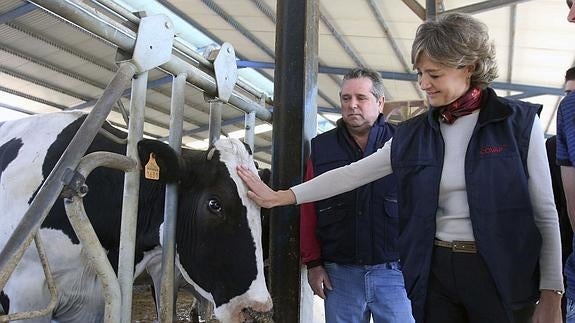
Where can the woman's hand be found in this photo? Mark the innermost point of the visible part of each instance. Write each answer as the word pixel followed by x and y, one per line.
pixel 548 310
pixel 260 193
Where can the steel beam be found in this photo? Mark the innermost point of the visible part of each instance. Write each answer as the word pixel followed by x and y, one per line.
pixel 417 9
pixel 266 10
pixel 17 12
pixel 102 26
pixel 400 76
pixel 398 54
pixel 31 97
pixel 513 26
pixel 44 63
pixel 246 33
pixel 294 125
pixel 484 6
pixel 430 10
pixel 44 84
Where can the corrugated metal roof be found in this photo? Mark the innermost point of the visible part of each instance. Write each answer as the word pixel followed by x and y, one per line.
pixel 48 64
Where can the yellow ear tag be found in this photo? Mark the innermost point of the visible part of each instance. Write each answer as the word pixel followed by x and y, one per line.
pixel 152 170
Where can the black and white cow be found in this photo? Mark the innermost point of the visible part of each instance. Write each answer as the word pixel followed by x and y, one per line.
pixel 219 250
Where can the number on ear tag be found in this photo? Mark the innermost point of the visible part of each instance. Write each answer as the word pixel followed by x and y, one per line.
pixel 152 170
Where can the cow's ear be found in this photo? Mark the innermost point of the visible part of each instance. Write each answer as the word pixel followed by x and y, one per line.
pixel 165 157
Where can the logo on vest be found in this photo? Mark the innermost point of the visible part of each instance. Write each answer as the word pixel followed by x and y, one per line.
pixel 492 150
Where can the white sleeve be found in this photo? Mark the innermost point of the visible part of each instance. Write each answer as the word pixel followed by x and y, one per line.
pixel 346 178
pixel 545 213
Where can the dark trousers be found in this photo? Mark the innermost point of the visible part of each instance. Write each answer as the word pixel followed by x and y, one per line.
pixel 461 290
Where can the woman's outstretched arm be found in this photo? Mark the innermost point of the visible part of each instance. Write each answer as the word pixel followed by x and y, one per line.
pixel 328 184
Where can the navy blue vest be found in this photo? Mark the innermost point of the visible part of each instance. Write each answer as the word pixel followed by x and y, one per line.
pixel 360 226
pixel 500 208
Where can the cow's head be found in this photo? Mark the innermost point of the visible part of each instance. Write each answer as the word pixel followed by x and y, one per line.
pixel 218 235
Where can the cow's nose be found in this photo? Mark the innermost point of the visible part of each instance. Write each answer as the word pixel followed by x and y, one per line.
pixel 253 316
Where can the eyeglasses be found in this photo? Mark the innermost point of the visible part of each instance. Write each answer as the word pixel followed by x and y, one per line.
pixel 567 92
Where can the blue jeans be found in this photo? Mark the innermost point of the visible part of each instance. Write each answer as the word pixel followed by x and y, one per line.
pixel 360 292
pixel 570 311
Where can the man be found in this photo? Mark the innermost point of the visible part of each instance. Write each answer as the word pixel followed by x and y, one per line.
pixel 558 192
pixel 566 159
pixel 349 242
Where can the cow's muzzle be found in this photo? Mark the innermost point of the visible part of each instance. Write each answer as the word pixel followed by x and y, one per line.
pixel 253 316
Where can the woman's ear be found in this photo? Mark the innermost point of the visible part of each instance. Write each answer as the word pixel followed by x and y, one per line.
pixel 470 69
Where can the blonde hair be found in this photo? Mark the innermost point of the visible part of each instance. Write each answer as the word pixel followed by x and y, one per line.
pixel 457 40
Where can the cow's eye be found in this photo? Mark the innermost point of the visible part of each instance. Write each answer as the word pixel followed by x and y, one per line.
pixel 214 206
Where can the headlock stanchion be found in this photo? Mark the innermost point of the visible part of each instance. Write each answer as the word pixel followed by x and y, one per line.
pixel 23 234
pixel 85 232
pixel 112 31
pixel 49 282
pixel 167 289
pixel 150 50
pixel 150 47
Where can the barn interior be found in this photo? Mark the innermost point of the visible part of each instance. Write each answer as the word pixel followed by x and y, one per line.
pixel 51 62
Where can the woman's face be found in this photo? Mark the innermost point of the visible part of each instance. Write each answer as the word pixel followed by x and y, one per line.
pixel 442 84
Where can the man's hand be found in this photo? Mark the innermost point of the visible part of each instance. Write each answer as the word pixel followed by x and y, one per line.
pixel 318 280
pixel 261 193
pixel 548 310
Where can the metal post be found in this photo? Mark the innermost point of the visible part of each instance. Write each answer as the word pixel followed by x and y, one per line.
pixel 215 127
pixel 167 308
pixel 50 190
pixel 430 10
pixel 294 125
pixel 131 192
pixel 250 124
pixel 90 243
pixel 50 283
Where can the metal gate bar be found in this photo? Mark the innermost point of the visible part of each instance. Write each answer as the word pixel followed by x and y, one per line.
pixel 23 234
pixel 167 308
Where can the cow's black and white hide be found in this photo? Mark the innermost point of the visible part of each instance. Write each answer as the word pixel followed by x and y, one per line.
pixel 218 228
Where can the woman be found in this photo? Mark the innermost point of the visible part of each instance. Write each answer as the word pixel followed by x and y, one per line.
pixel 479 233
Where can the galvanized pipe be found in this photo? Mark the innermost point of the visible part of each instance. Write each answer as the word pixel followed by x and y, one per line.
pixel 167 289
pixel 215 126
pixel 50 190
pixel 124 13
pixel 85 232
pixel 102 26
pixel 250 126
pixel 131 195
pixel 49 283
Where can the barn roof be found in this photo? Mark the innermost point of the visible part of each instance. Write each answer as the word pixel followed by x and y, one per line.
pixel 49 64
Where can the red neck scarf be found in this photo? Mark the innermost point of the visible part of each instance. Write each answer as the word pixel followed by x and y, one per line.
pixel 463 106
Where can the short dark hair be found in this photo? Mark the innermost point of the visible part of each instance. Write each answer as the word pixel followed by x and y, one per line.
pixel 570 74
pixel 374 76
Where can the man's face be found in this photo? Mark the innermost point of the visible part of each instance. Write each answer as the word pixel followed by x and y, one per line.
pixel 359 107
pixel 571 15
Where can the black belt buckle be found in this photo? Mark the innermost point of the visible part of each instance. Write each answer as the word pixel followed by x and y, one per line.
pixel 463 246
